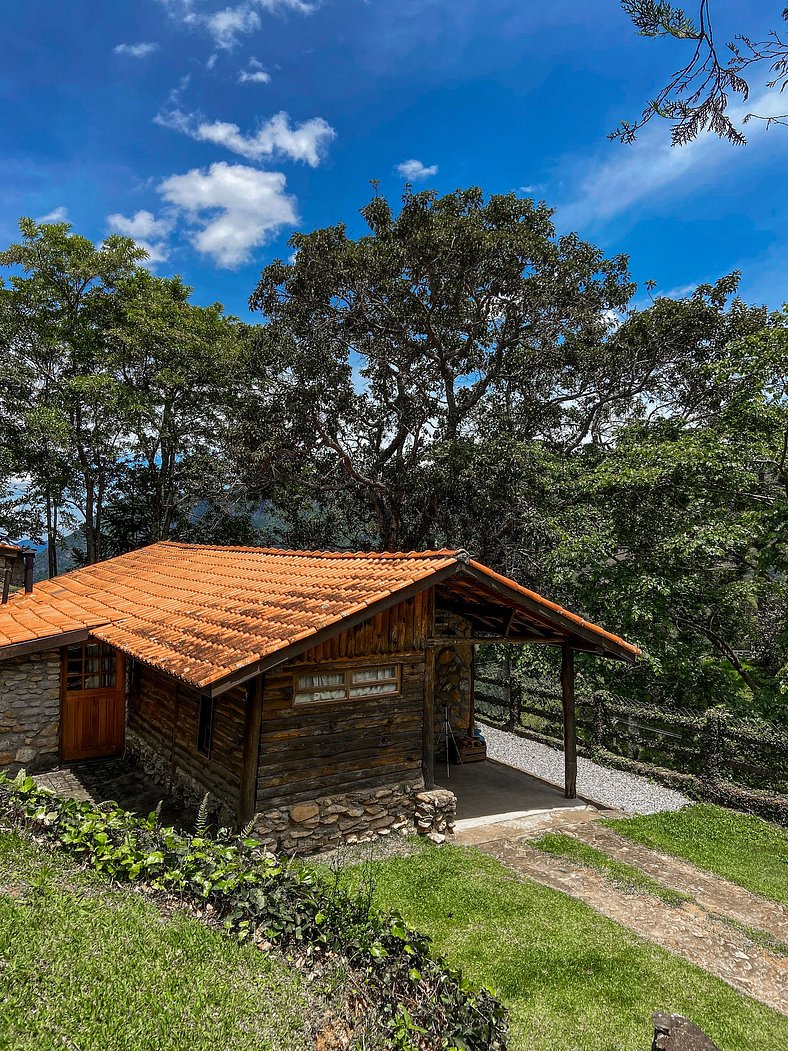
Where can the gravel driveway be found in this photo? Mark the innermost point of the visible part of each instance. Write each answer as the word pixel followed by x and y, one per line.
pixel 614 788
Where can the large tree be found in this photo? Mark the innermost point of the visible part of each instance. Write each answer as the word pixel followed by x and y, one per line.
pixel 182 368
pixel 679 531
pixel 61 413
pixel 115 392
pixel 452 320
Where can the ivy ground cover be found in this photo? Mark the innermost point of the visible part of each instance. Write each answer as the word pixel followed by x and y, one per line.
pixel 569 977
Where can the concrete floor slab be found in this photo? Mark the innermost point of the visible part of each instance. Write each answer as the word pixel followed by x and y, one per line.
pixel 491 792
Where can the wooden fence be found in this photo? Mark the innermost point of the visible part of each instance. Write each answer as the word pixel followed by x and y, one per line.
pixel 709 745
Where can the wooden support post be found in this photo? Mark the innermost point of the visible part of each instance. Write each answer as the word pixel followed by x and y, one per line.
pixel 247 792
pixel 428 733
pixel 428 726
pixel 570 732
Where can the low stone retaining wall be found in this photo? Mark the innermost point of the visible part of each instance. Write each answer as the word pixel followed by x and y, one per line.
pixel 30 712
pixel 319 824
pixel 436 811
pixel 331 821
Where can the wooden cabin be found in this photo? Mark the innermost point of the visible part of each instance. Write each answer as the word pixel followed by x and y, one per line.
pixel 301 687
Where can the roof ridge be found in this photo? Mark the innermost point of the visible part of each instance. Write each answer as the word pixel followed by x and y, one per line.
pixel 459 553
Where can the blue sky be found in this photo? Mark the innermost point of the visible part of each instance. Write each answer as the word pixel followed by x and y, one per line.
pixel 210 132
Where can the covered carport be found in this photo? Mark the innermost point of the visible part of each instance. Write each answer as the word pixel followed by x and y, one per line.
pixel 479 607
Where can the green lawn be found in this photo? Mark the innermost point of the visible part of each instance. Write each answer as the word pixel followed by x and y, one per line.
pixel 740 847
pixel 624 876
pixel 573 980
pixel 85 966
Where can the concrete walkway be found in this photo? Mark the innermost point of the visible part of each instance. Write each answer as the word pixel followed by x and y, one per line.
pixel 119 781
pixel 491 793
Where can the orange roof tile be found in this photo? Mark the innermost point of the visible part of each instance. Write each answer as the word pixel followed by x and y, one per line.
pixel 201 613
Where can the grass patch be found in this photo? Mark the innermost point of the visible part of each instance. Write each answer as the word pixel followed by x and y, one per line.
pixel 741 847
pixel 83 965
pixel 624 876
pixel 571 978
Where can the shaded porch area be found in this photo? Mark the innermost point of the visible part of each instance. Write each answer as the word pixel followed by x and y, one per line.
pixel 491 793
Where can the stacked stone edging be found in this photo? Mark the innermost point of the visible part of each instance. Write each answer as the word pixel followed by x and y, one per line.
pixel 30 712
pixel 436 811
pixel 331 821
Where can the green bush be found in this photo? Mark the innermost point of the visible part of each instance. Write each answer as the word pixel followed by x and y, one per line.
pixel 414 996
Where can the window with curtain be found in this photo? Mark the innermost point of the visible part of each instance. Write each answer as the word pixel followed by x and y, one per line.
pixel 351 684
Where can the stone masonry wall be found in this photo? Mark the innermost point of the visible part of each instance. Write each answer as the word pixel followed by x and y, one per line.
pixel 331 821
pixel 453 672
pixel 30 712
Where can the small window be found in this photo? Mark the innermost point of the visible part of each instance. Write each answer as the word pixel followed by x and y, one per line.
pixel 370 682
pixel 352 684
pixel 205 726
pixel 90 666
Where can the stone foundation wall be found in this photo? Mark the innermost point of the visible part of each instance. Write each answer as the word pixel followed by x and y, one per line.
pixel 178 783
pixel 331 821
pixel 436 811
pixel 30 712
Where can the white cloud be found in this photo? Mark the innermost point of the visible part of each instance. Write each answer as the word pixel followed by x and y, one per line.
pixel 180 10
pixel 57 215
pixel 254 74
pixel 141 50
pixel 653 170
pixel 226 25
pixel 302 142
pixel 235 208
pixel 176 93
pixel 413 170
pixel 212 61
pixel 149 232
pixel 257 76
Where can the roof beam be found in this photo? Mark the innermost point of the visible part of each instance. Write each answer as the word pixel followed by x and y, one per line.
pixel 557 619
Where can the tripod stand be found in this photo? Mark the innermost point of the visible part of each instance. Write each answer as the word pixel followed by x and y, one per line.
pixel 445 736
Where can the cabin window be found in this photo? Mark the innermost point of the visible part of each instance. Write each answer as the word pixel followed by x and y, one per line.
pixel 90 666
pixel 353 684
pixel 205 726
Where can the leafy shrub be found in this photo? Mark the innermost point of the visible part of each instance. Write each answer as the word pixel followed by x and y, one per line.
pixel 407 991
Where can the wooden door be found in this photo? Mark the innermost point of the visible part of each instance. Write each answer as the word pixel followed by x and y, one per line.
pixel 92 702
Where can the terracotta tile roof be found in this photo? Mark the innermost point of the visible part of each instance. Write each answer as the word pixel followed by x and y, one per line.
pixel 201 613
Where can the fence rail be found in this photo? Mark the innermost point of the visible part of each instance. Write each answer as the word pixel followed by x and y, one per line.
pixel 704 744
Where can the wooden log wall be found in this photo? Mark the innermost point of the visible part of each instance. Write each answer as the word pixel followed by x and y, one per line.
pixel 333 747
pixel 164 714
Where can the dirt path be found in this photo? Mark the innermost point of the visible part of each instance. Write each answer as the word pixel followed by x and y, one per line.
pixel 693 931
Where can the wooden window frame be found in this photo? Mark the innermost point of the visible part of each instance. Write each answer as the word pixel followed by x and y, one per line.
pixel 205 726
pixel 105 654
pixel 301 698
